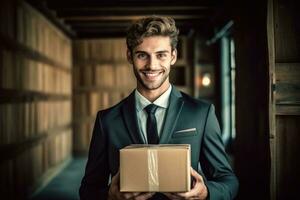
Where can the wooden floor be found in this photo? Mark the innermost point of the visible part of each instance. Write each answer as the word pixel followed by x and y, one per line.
pixel 66 184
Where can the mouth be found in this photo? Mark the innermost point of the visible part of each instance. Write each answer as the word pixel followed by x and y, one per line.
pixel 152 75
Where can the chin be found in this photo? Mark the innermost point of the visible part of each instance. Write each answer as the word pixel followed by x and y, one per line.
pixel 153 86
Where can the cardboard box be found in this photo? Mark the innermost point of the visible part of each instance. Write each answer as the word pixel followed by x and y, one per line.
pixel 155 168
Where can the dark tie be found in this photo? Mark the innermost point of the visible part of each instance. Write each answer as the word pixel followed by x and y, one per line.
pixel 152 134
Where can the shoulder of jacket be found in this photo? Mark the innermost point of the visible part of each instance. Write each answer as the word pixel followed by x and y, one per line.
pixel 112 111
pixel 195 102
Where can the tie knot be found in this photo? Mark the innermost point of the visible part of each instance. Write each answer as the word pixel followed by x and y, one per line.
pixel 151 108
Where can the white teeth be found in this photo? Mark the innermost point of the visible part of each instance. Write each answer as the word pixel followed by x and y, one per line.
pixel 151 74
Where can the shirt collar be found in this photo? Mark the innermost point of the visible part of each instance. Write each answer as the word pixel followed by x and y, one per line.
pixel 162 101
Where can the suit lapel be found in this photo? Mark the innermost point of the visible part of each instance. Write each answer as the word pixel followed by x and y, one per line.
pixel 172 115
pixel 130 119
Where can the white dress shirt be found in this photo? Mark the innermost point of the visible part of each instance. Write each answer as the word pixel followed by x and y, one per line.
pixel 141 102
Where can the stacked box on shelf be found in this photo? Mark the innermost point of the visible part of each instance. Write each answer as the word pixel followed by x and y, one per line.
pixel 35 80
pixel 101 78
pixel 7 16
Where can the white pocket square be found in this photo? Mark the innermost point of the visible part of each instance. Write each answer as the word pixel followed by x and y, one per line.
pixel 186 130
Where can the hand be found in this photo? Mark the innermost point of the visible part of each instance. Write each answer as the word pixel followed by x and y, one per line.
pixel 199 190
pixel 115 194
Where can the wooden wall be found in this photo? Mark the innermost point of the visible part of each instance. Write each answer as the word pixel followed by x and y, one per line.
pixel 284 57
pixel 35 99
pixel 102 77
pixel 267 99
pixel 251 147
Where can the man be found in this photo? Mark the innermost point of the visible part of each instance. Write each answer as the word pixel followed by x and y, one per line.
pixel 176 118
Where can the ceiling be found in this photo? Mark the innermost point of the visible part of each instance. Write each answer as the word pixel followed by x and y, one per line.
pixel 110 18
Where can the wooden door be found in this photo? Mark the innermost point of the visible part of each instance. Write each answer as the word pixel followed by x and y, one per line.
pixel 284 66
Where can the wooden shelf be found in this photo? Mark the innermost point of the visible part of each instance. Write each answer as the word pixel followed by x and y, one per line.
pixel 35 98
pixel 287 109
pixel 22 49
pixel 98 63
pixel 12 150
pixel 102 88
pixel 16 96
pixel 84 119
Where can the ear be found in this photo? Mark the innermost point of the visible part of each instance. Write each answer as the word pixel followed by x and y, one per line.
pixel 173 56
pixel 129 56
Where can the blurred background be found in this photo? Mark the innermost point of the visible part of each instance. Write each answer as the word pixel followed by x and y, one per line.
pixel 62 61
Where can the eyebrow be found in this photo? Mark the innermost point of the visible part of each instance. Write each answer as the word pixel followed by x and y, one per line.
pixel 163 51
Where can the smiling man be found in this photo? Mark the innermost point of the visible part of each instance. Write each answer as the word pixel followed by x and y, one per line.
pixel 157 113
pixel 151 62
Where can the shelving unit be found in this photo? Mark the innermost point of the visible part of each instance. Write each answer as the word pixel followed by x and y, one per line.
pixel 35 99
pixel 101 78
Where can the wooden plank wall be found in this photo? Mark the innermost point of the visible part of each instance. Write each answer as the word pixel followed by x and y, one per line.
pixel 284 58
pixel 251 146
pixel 35 99
pixel 102 77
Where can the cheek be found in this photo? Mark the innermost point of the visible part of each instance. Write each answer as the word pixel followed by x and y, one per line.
pixel 166 63
pixel 138 63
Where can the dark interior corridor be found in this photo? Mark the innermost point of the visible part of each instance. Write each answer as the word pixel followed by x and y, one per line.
pixel 62 61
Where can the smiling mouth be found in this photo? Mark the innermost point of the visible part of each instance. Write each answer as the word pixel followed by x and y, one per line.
pixel 151 74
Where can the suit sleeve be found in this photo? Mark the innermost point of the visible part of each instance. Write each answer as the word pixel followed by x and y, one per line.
pixel 221 182
pixel 94 184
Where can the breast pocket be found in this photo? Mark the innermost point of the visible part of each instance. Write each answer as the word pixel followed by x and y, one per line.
pixel 185 133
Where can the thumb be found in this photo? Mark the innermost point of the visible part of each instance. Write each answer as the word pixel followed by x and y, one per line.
pixel 196 175
pixel 193 172
pixel 116 177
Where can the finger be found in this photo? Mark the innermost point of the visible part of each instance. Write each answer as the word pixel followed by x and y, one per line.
pixel 136 193
pixel 116 177
pixel 114 191
pixel 196 175
pixel 196 186
pixel 195 192
pixel 132 195
pixel 129 195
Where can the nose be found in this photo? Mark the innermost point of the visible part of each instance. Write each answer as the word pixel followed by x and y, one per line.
pixel 153 63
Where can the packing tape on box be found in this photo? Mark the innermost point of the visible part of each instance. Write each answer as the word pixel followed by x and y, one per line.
pixel 153 170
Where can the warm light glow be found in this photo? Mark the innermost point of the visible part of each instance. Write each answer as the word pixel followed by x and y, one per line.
pixel 206 80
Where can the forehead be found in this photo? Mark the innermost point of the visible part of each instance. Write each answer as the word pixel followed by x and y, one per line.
pixel 154 44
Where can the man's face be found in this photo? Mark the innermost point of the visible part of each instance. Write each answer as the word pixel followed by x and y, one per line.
pixel 151 62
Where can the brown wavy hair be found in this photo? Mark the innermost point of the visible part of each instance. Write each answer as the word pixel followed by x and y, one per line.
pixel 151 26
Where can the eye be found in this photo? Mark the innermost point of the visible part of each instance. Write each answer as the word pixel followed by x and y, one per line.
pixel 161 55
pixel 142 56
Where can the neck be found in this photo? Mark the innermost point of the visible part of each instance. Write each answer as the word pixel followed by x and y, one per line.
pixel 152 95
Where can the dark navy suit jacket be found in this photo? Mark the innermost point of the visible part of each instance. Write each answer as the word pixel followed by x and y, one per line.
pixel 187 121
